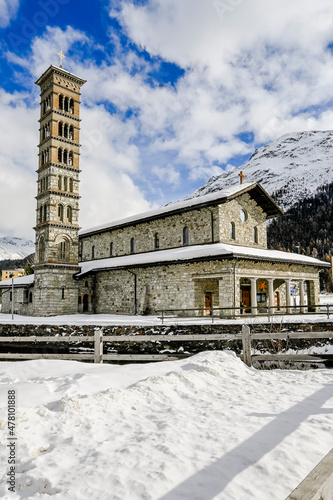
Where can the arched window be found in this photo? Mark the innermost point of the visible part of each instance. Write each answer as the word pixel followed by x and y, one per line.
pixel 71 106
pixel 232 231
pixel 41 214
pixel 61 213
pixel 70 184
pixel 66 104
pixel 111 249
pixel 70 158
pixel 156 240
pixel 93 252
pixel 65 155
pixel 65 130
pixel 42 158
pixel 65 183
pixel 47 104
pixel 63 249
pixel 185 236
pixel 41 250
pixel 71 132
pixel 60 129
pixel 69 214
pixel 255 234
pixel 243 215
pixel 45 213
pixel 132 245
pixel 46 155
pixel 59 155
pixel 61 102
pixel 30 297
pixel 60 182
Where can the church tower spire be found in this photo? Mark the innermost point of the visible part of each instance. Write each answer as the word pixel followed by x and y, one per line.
pixel 57 217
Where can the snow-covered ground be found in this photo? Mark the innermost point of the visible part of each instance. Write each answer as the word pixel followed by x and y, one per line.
pixel 120 319
pixel 202 428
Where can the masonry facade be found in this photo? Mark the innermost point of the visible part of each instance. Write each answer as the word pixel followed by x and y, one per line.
pixel 192 257
pixel 211 253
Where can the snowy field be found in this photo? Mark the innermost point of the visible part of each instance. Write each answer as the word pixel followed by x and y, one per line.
pixel 119 319
pixel 203 428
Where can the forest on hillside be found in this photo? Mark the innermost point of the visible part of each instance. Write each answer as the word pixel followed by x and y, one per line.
pixel 25 264
pixel 307 228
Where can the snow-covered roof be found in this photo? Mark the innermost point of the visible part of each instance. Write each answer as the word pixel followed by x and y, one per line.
pixel 197 252
pixel 190 204
pixel 23 281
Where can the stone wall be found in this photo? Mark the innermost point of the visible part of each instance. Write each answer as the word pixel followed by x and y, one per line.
pixel 244 230
pixel 23 301
pixel 55 292
pixel 165 346
pixel 169 229
pixel 203 224
pixel 183 285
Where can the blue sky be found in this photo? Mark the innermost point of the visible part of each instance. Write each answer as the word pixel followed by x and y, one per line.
pixel 177 91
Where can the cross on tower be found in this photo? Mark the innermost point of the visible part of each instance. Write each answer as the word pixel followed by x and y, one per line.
pixel 61 55
pixel 241 176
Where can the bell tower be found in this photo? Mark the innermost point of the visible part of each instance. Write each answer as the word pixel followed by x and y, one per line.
pixel 57 215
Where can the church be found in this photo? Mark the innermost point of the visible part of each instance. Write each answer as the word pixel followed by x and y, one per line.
pixel 200 254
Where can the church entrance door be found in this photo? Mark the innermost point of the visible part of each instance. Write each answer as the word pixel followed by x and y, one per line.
pixel 85 303
pixel 208 303
pixel 246 300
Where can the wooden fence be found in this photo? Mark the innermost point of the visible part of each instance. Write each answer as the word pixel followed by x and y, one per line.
pixel 218 313
pixel 248 337
pixel 319 477
pixel 98 340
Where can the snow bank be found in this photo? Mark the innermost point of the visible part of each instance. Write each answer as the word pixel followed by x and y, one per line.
pixel 201 428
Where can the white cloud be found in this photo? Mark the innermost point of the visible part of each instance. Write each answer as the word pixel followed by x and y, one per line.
pixel 18 162
pixel 263 68
pixel 253 70
pixel 108 161
pixel 167 174
pixel 8 11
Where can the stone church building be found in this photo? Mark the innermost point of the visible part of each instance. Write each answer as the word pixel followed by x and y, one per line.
pixel 202 253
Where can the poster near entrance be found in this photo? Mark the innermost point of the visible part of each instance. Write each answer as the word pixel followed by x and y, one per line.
pixel 208 303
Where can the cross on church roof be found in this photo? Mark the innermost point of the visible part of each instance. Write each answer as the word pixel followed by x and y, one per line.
pixel 61 55
pixel 241 176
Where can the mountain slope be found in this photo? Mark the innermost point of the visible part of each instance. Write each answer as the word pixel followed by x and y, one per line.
pixel 15 248
pixel 290 168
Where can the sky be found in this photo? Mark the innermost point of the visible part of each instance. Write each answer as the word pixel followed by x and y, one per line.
pixel 177 91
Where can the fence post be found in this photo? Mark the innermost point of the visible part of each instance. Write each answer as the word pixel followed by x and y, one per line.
pixel 246 340
pixel 328 311
pixel 212 315
pixel 98 355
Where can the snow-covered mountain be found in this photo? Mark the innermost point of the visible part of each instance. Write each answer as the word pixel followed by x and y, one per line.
pixel 15 248
pixel 290 168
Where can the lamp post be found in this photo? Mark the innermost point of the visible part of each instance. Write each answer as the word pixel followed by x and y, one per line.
pixel 12 276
